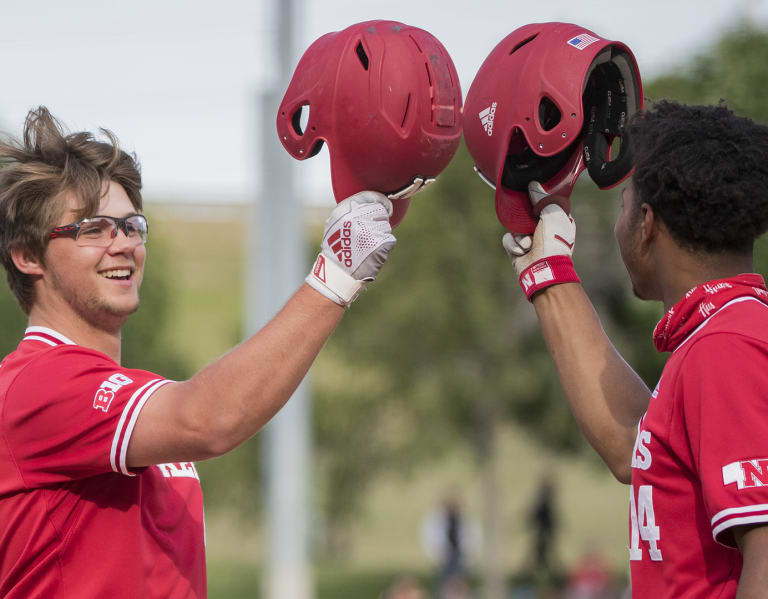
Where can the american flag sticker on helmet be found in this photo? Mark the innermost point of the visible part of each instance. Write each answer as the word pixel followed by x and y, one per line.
pixel 582 40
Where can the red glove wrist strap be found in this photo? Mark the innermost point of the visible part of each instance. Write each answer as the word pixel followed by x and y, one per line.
pixel 545 272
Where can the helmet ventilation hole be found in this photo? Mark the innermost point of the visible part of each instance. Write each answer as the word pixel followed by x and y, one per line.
pixel 362 55
pixel 300 119
pixel 521 44
pixel 405 112
pixel 549 114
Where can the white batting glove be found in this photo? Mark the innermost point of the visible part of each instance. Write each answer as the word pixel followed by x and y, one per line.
pixel 544 258
pixel 356 242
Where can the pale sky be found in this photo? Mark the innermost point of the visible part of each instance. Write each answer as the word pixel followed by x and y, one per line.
pixel 178 82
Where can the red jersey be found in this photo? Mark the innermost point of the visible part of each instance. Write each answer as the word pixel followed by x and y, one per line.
pixel 700 464
pixel 75 521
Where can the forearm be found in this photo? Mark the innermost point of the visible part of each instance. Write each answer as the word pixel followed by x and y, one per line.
pixel 606 396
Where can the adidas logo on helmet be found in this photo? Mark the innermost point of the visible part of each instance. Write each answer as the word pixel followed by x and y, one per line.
pixel 486 118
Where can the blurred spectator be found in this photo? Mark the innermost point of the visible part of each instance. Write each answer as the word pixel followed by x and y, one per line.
pixel 444 537
pixel 544 522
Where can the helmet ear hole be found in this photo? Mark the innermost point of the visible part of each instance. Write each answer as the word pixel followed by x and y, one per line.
pixel 300 119
pixel 316 148
pixel 522 165
pixel 549 114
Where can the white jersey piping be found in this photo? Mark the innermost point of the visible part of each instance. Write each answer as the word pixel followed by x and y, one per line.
pixel 720 309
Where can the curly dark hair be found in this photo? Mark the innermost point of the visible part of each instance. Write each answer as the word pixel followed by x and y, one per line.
pixel 704 171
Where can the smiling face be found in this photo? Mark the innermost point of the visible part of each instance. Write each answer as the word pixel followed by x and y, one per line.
pixel 99 285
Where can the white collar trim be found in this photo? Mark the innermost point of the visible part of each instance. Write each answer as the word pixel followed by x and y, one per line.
pixel 30 334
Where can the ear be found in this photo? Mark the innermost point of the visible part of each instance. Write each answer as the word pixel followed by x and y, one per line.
pixel 648 224
pixel 25 262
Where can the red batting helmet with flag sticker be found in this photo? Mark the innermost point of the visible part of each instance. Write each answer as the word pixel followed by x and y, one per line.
pixel 548 102
pixel 385 97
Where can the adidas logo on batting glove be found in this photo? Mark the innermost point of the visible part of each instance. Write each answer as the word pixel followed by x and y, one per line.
pixel 356 242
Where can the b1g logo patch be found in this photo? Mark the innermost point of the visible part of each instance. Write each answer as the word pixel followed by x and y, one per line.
pixel 106 391
pixel 746 473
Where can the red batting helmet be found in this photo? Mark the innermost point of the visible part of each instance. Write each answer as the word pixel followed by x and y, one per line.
pixel 547 102
pixel 386 99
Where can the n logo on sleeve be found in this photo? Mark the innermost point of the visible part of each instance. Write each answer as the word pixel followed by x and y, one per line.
pixel 746 473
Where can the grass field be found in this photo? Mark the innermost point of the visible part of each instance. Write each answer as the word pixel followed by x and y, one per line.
pixel 205 282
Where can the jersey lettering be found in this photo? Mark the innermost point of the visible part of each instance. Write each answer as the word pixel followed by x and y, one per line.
pixel 642 442
pixel 179 470
pixel 102 400
pixel 643 524
pixel 106 391
pixel 116 381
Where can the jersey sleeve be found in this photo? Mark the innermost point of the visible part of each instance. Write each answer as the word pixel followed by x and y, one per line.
pixel 70 413
pixel 725 390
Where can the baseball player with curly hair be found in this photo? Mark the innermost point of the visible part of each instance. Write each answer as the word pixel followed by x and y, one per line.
pixel 694 451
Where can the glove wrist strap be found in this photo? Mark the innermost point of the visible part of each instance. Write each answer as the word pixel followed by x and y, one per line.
pixel 333 281
pixel 545 272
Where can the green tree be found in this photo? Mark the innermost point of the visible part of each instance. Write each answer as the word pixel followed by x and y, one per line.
pixel 734 70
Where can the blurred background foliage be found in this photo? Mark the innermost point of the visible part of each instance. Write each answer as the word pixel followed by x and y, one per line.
pixel 441 353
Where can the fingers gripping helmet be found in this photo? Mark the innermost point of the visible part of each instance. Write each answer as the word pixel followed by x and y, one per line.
pixel 385 97
pixel 548 102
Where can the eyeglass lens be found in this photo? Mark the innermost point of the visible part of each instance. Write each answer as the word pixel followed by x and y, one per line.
pixel 100 230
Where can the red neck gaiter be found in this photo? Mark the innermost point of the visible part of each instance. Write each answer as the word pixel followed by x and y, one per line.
pixel 700 303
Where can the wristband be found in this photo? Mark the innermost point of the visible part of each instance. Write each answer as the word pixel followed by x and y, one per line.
pixel 333 281
pixel 545 272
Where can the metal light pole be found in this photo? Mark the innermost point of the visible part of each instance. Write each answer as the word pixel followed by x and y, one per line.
pixel 276 268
